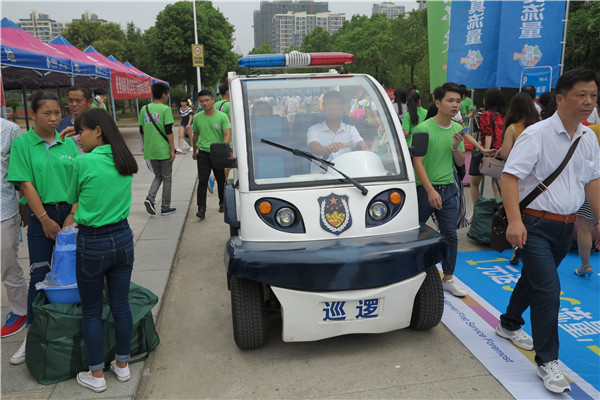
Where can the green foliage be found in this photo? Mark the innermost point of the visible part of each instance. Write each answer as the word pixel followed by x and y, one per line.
pixel 264 49
pixel 409 46
pixel 13 103
pixel 170 40
pixel 319 40
pixel 583 35
pixel 106 38
pixel 365 38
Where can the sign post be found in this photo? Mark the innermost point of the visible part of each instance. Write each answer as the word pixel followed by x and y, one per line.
pixel 201 47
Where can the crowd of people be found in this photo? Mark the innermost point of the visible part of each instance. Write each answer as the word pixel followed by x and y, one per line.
pixel 59 184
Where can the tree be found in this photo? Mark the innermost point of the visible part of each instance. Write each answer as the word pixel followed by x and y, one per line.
pixel 319 40
pixel 583 36
pixel 408 46
pixel 365 38
pixel 264 49
pixel 170 40
pixel 106 38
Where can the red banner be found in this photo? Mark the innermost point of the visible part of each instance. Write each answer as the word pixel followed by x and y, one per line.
pixel 2 101
pixel 128 86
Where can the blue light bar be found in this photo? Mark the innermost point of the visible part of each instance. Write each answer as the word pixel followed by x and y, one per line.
pixel 263 61
pixel 296 59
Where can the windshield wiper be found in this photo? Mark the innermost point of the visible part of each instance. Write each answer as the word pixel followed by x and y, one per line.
pixel 308 156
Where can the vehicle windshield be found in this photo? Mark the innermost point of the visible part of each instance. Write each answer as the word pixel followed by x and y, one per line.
pixel 341 119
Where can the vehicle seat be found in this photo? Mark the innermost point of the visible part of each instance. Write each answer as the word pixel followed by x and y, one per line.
pixel 268 161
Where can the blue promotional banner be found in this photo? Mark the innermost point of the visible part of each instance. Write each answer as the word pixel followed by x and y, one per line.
pixel 474 34
pixel 530 36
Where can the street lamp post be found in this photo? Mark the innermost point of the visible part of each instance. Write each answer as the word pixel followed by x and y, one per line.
pixel 199 82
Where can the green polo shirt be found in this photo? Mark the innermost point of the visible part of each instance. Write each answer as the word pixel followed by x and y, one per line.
pixel 223 105
pixel 407 123
pixel 211 129
pixel 103 194
pixel 48 169
pixel 439 159
pixel 466 105
pixel 155 145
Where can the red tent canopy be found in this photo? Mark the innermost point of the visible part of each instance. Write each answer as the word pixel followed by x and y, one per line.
pixel 125 84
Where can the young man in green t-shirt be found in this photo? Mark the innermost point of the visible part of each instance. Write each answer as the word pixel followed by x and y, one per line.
pixel 99 99
pixel 209 126
pixel 159 147
pixel 466 106
pixel 436 190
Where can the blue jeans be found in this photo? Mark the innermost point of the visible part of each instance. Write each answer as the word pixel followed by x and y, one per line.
pixel 447 219
pixel 102 252
pixel 40 249
pixel 548 242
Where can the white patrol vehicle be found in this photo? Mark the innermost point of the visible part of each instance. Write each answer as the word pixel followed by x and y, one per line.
pixel 323 212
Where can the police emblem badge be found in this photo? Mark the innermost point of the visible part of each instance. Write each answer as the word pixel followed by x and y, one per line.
pixel 334 213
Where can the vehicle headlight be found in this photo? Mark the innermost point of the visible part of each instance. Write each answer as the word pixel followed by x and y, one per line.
pixel 378 210
pixel 285 217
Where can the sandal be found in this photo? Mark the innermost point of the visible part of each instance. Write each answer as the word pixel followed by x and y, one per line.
pixel 583 272
pixel 516 258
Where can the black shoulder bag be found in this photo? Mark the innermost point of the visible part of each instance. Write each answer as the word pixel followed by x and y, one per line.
pixel 500 222
pixel 164 135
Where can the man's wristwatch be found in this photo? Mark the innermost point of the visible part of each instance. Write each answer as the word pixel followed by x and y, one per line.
pixel 455 149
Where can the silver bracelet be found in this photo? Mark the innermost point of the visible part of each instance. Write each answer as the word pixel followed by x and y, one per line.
pixel 41 215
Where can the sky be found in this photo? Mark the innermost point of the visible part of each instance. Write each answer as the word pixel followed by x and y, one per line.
pixel 143 12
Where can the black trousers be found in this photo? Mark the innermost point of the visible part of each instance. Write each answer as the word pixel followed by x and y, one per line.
pixel 204 168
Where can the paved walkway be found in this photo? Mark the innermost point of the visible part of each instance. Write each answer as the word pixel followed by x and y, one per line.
pixel 156 242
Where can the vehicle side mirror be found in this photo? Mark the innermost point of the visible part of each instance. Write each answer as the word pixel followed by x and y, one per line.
pixel 420 142
pixel 221 155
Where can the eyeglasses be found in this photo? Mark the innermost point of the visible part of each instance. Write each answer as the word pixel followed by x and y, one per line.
pixel 78 101
pixel 205 101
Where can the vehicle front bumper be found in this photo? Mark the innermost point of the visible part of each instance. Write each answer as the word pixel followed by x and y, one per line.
pixel 337 264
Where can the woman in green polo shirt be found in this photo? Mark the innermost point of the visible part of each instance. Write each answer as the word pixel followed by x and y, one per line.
pixel 41 164
pixel 101 187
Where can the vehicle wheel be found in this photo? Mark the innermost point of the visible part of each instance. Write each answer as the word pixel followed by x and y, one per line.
pixel 248 311
pixel 429 302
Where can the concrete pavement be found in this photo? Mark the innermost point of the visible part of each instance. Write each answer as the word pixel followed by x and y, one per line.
pixel 156 242
pixel 207 331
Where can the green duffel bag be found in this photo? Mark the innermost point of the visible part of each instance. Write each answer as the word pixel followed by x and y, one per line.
pixel 483 211
pixel 55 349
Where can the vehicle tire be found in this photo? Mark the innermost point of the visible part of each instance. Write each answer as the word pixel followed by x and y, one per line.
pixel 248 311
pixel 429 302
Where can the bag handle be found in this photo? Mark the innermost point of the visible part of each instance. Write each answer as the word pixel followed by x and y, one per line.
pixel 154 123
pixel 494 180
pixel 543 186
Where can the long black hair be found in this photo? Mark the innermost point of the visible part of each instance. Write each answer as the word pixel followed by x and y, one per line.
pixel 412 104
pixel 493 101
pixel 521 108
pixel 122 157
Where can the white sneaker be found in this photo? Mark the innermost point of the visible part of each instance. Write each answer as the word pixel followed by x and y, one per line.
pixel 553 378
pixel 19 356
pixel 86 379
pixel 452 287
pixel 123 374
pixel 518 337
pixel 178 150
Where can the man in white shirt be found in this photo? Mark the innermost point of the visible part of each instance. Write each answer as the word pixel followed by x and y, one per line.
pixel 13 278
pixel 543 230
pixel 332 137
